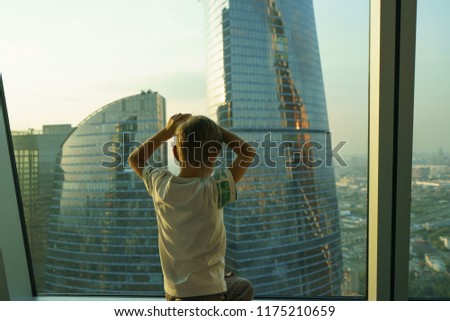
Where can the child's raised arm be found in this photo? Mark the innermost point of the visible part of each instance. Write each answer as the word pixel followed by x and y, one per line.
pixel 245 153
pixel 138 158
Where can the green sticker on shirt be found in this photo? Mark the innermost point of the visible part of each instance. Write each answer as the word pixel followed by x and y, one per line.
pixel 223 186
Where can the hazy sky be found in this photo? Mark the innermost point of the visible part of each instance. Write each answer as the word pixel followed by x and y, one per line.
pixel 62 60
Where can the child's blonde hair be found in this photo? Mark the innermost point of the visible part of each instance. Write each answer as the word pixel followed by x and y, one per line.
pixel 198 139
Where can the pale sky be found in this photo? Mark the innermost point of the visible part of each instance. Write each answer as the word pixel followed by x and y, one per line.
pixel 63 59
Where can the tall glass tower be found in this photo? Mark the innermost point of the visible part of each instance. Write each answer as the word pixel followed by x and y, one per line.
pixel 103 233
pixel 35 153
pixel 264 81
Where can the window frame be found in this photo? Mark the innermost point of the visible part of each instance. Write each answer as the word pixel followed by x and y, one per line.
pixel 15 256
pixel 391 99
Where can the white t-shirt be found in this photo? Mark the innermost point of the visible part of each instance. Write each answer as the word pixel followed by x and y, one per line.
pixel 191 231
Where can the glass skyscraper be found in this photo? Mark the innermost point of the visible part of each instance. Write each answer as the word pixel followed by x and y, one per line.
pixel 264 82
pixel 103 233
pixel 35 153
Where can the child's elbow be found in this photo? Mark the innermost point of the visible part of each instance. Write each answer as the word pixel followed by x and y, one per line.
pixel 131 161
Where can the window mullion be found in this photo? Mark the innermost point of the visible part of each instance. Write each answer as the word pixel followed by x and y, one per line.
pixel 390 146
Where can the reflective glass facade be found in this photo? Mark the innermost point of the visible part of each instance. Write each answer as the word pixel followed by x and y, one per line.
pixel 35 153
pixel 264 81
pixel 103 234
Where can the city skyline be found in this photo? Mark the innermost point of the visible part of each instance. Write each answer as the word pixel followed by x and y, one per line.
pixel 145 53
pixel 46 65
pixel 83 227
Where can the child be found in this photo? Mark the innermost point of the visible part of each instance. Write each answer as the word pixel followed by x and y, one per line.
pixel 191 231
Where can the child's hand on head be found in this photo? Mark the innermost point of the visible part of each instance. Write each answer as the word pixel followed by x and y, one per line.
pixel 175 121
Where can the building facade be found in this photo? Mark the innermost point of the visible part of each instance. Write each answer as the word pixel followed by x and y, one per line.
pixel 35 153
pixel 264 82
pixel 103 232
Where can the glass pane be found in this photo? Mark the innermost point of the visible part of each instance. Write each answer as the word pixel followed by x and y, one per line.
pixel 430 207
pixel 344 43
pixel 290 76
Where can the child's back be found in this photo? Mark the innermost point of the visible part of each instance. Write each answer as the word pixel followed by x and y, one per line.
pixel 192 240
pixel 191 231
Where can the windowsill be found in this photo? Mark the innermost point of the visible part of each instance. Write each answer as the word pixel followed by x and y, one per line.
pixel 93 298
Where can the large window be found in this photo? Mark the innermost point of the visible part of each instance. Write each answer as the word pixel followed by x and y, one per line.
pixel 297 70
pixel 430 207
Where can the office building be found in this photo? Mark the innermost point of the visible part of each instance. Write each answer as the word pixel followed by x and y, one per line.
pixel 102 234
pixel 35 154
pixel 264 82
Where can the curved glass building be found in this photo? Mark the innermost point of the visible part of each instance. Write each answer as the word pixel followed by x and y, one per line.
pixel 264 82
pixel 103 233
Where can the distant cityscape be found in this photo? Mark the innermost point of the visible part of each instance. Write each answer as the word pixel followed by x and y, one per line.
pixel 430 225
